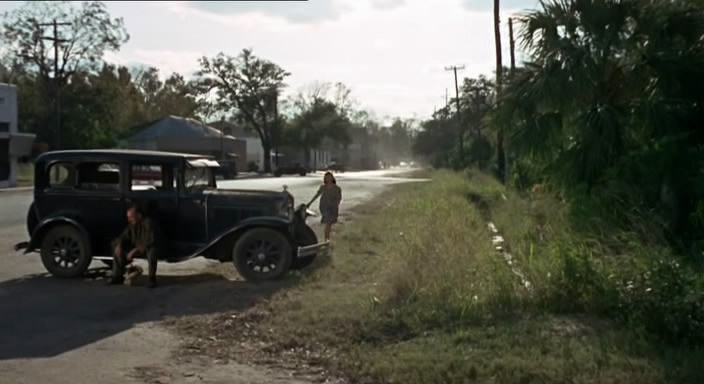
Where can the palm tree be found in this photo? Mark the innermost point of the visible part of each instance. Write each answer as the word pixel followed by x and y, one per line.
pixel 611 95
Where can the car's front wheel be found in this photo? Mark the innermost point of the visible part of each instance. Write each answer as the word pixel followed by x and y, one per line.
pixel 65 252
pixel 262 254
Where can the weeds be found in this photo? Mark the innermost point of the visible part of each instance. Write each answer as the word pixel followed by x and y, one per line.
pixel 415 293
pixel 581 261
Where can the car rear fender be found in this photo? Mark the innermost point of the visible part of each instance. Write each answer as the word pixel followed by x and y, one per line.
pixel 45 225
pixel 226 239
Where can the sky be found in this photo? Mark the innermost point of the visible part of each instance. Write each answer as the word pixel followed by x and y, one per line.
pixel 392 54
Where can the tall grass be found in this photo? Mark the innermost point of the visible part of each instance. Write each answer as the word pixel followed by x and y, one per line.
pixel 414 292
pixel 582 260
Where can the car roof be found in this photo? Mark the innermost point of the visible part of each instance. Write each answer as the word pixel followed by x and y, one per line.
pixel 118 154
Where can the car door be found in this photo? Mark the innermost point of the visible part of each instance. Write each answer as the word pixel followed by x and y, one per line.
pixel 153 184
pixel 99 200
pixel 192 228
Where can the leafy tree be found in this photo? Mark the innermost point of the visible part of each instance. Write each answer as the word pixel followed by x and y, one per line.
pixel 477 102
pixel 436 139
pixel 91 32
pixel 248 86
pixel 316 112
pixel 319 120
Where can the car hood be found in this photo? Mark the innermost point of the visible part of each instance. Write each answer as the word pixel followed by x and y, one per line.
pixel 248 194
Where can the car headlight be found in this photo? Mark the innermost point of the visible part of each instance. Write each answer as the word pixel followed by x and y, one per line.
pixel 286 207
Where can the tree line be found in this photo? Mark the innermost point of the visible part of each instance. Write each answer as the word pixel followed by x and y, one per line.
pixel 70 97
pixel 607 109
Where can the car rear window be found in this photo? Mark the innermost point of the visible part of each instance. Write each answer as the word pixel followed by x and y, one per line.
pixel 151 177
pixel 99 176
pixel 61 175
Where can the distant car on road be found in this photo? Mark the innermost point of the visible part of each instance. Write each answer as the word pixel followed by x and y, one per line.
pixel 335 167
pixel 227 169
pixel 291 169
pixel 80 199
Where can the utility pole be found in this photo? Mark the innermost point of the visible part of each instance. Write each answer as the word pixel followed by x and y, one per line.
pixel 454 69
pixel 447 103
pixel 57 86
pixel 512 44
pixel 277 128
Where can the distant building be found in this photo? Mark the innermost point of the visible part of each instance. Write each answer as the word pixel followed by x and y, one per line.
pixel 359 154
pixel 179 134
pixel 319 158
pixel 255 152
pixel 13 144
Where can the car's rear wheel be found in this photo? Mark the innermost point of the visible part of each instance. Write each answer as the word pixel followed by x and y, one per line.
pixel 305 238
pixel 65 252
pixel 262 254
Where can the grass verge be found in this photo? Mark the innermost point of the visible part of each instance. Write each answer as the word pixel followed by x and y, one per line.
pixel 415 293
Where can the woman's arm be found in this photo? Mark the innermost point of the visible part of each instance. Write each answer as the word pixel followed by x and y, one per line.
pixel 338 198
pixel 317 194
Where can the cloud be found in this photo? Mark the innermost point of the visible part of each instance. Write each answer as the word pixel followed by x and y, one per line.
pixel 488 5
pixel 167 61
pixel 387 4
pixel 311 11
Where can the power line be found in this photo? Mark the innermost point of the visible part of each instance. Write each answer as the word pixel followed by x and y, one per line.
pixel 454 69
pixel 57 81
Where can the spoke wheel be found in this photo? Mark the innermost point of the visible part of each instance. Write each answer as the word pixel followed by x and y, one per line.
pixel 65 252
pixel 262 254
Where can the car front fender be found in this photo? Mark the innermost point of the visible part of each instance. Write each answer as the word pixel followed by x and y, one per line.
pixel 252 222
pixel 44 225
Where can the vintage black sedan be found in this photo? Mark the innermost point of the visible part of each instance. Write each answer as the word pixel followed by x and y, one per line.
pixel 80 199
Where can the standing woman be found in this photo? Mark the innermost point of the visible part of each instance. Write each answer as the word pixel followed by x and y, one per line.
pixel 330 196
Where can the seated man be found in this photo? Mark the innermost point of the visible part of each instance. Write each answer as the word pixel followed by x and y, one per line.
pixel 140 238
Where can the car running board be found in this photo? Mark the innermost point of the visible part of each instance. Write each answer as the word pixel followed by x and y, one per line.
pixel 308 250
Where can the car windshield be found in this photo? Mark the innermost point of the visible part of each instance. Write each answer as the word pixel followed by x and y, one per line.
pixel 199 177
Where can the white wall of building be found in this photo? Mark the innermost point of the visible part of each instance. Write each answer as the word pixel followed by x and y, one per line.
pixel 8 126
pixel 17 144
pixel 255 151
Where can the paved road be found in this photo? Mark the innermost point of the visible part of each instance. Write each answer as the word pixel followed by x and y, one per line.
pixel 14 205
pixel 75 331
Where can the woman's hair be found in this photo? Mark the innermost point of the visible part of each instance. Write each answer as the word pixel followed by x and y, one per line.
pixel 331 177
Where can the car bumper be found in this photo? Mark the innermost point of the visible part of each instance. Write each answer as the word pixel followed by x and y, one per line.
pixel 313 249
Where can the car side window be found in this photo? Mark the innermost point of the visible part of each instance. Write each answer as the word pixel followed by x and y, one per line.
pixel 146 177
pixel 61 175
pixel 99 176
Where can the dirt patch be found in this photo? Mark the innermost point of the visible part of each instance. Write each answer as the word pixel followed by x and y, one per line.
pixel 235 337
